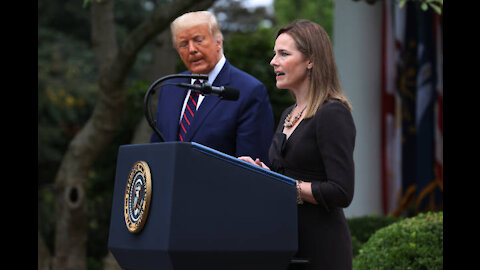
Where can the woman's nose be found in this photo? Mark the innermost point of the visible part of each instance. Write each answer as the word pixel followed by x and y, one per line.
pixel 273 62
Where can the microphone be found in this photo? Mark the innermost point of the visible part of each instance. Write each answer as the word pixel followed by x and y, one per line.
pixel 223 92
pixel 151 90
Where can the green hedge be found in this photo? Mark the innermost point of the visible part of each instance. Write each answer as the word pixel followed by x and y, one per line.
pixel 361 228
pixel 411 243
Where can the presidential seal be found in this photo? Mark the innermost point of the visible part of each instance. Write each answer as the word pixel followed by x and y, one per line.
pixel 138 193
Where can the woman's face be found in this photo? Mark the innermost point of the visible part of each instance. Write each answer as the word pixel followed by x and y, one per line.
pixel 289 64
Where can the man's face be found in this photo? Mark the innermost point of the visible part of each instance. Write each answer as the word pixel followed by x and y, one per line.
pixel 199 51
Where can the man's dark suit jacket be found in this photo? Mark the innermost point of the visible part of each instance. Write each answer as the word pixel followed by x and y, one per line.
pixel 236 128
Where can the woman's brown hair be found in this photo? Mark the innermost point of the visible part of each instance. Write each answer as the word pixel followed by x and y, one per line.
pixel 313 42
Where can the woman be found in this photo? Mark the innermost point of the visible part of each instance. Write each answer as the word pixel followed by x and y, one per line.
pixel 314 144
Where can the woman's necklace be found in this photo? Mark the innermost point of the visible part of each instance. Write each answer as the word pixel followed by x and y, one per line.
pixel 289 122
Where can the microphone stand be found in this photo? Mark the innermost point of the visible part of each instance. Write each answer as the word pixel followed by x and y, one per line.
pixel 151 91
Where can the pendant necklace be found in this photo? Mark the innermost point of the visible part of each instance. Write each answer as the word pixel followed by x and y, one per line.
pixel 289 122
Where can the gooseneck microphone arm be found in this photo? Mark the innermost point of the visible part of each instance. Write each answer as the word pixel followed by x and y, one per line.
pixel 223 92
pixel 151 91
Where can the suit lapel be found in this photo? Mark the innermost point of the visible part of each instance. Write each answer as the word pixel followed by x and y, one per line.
pixel 210 101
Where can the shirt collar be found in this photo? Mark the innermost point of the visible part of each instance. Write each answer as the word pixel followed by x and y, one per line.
pixel 216 70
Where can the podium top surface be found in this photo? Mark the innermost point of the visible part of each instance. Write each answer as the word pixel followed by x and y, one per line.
pixel 217 154
pixel 246 165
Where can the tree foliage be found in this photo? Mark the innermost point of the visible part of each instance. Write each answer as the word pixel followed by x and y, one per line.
pixel 67 92
pixel 319 11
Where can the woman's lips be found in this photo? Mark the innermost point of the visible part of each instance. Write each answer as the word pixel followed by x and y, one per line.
pixel 279 74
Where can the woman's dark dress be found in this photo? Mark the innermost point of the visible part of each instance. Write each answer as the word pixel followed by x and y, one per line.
pixel 320 150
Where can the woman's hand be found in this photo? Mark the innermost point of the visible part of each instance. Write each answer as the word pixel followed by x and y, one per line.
pixel 255 162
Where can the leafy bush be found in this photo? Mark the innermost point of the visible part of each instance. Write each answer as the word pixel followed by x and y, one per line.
pixel 361 228
pixel 412 243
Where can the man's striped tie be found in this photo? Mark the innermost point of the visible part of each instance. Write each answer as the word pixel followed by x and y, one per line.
pixel 188 114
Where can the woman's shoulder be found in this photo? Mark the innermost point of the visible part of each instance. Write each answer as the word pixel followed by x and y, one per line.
pixel 334 103
pixel 333 111
pixel 334 118
pixel 331 107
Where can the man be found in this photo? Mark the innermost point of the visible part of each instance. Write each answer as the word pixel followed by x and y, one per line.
pixel 236 128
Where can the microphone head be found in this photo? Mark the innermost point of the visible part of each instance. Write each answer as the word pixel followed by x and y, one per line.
pixel 230 93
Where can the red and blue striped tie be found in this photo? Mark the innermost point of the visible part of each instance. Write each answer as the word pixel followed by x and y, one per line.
pixel 188 114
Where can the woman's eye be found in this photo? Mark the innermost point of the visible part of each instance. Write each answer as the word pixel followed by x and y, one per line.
pixel 281 53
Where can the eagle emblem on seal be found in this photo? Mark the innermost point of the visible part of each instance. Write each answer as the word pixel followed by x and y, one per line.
pixel 138 192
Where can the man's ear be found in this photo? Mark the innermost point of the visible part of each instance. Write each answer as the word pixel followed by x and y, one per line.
pixel 219 43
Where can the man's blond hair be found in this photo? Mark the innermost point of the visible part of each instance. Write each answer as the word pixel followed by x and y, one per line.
pixel 191 19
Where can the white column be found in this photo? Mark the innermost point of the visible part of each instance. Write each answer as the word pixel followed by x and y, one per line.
pixel 357 39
